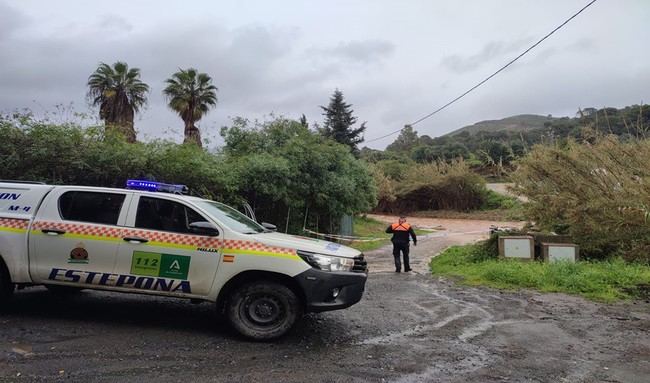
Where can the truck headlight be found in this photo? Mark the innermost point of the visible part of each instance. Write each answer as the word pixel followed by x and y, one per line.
pixel 327 262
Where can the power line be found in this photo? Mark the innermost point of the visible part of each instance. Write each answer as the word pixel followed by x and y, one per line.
pixel 489 77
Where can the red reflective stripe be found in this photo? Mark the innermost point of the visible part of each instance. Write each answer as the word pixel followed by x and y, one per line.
pixel 111 232
pixel 14 223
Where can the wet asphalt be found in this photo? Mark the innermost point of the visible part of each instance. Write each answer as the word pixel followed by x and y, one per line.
pixel 408 328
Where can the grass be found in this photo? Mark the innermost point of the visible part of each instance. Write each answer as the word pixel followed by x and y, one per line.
pixel 368 227
pixel 600 281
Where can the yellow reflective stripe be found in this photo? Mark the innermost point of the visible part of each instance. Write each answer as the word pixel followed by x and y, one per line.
pixel 171 245
pixel 163 244
pixel 91 237
pixel 13 229
pixel 118 239
pixel 263 253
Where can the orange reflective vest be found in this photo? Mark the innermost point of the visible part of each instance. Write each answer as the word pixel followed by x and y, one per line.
pixel 400 227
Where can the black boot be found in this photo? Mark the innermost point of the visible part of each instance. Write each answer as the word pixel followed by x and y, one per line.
pixel 407 265
pixel 398 264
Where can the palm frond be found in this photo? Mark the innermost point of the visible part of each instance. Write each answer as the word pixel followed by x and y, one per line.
pixel 118 91
pixel 190 94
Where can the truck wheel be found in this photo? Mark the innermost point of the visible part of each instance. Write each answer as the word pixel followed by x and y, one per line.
pixel 263 310
pixel 6 287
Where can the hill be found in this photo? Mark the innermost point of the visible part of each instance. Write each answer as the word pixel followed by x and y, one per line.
pixel 522 122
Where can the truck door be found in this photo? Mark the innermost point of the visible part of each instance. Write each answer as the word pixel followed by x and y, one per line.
pixel 161 253
pixel 75 236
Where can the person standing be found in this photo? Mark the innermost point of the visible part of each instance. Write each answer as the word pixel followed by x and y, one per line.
pixel 401 232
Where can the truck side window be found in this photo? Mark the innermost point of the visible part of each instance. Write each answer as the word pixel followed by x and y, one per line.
pixel 94 207
pixel 165 215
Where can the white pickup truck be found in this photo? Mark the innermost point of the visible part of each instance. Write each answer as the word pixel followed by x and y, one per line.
pixel 144 240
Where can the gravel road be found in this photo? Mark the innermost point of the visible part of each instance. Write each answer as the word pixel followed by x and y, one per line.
pixel 408 328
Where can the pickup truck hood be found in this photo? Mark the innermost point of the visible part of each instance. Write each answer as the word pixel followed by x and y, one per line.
pixel 306 244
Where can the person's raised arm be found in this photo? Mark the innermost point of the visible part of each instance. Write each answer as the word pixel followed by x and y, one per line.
pixel 389 229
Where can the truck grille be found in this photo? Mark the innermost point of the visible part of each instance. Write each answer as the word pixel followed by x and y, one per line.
pixel 360 265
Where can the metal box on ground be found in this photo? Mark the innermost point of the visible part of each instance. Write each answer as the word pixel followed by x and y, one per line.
pixel 517 247
pixel 552 252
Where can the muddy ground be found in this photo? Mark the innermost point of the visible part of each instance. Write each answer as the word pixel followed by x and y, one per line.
pixel 408 328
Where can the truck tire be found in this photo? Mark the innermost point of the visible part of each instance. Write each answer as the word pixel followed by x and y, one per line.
pixel 263 310
pixel 6 287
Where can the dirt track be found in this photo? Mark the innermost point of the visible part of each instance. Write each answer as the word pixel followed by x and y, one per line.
pixel 408 328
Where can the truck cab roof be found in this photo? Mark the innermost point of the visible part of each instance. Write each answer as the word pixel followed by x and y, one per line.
pixel 31 193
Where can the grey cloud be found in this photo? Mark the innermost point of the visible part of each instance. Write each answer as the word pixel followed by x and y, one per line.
pixel 290 63
pixel 363 52
pixel 579 46
pixel 115 23
pixel 251 66
pixel 10 20
pixel 492 50
pixel 582 45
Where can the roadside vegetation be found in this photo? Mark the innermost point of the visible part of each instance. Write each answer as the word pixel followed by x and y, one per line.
pixel 290 174
pixel 586 176
pixel 495 207
pixel 282 168
pixel 436 186
pixel 492 148
pixel 606 281
pixel 442 189
pixel 596 190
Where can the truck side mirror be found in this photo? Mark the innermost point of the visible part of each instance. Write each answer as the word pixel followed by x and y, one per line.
pixel 204 228
pixel 269 226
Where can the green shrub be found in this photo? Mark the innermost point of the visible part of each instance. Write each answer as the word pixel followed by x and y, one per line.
pixel 437 186
pixel 280 167
pixel 493 200
pixel 597 191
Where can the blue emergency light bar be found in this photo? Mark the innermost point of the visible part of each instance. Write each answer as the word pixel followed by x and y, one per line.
pixel 155 186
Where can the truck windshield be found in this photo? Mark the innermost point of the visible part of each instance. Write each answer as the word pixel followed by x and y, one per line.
pixel 231 217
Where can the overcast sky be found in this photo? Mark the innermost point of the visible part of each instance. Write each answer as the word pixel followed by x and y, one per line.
pixel 395 61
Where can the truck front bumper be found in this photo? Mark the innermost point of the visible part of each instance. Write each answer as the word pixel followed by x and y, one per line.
pixel 325 291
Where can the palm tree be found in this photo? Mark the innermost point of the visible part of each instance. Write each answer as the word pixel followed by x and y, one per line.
pixel 120 94
pixel 191 95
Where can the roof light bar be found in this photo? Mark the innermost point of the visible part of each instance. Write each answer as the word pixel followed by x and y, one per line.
pixel 155 186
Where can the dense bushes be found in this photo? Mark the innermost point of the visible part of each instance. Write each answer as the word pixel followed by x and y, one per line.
pixel 597 191
pixel 280 167
pixel 436 186
pixel 285 169
pixel 67 154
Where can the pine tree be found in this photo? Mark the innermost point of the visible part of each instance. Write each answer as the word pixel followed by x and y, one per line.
pixel 407 140
pixel 338 123
pixel 303 121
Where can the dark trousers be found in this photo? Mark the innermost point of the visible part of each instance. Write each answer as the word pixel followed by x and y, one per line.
pixel 404 248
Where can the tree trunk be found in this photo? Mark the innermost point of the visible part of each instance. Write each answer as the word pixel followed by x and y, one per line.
pixel 192 135
pixel 125 129
pixel 120 119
